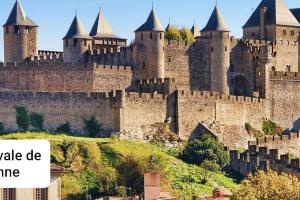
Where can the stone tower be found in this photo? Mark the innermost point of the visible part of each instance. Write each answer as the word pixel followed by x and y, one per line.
pixel 20 36
pixel 77 43
pixel 217 32
pixel 150 42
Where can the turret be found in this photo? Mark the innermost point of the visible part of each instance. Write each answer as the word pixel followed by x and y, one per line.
pixel 218 33
pixel 103 35
pixel 77 43
pixel 20 36
pixel 195 30
pixel 149 40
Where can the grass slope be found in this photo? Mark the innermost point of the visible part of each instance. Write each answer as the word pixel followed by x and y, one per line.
pixel 91 160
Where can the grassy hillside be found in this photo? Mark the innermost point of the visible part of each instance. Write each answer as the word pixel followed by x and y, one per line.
pixel 99 166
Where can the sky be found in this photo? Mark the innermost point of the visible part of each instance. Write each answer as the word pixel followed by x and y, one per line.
pixel 55 16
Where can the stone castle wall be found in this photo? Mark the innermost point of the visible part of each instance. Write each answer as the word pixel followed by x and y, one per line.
pixel 226 115
pixel 60 108
pixel 284 93
pixel 54 77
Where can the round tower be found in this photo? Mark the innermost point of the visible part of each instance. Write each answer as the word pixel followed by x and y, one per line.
pixel 218 33
pixel 20 36
pixel 77 43
pixel 150 43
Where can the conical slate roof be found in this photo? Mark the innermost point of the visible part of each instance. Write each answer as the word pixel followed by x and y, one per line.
pixel 216 22
pixel 195 30
pixel 277 14
pixel 101 29
pixel 77 30
pixel 18 17
pixel 169 26
pixel 152 23
pixel 296 13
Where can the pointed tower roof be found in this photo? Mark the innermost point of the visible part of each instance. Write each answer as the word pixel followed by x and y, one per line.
pixel 216 22
pixel 101 29
pixel 169 25
pixel 296 13
pixel 152 23
pixel 277 14
pixel 77 30
pixel 195 30
pixel 17 17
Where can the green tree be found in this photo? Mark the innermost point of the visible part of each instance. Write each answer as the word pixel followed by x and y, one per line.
pixel 210 166
pixel 36 120
pixel 64 128
pixel 186 35
pixel 205 148
pixel 173 33
pixel 268 186
pixel 22 118
pixel 92 126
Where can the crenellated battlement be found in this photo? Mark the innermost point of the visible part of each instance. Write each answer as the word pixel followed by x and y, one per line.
pixel 60 96
pixel 273 139
pixel 216 96
pixel 112 67
pixel 145 96
pixel 280 75
pixel 156 81
pixel 44 66
pixel 178 44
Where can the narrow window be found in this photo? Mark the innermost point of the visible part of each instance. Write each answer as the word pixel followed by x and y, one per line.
pixel 273 69
pixel 67 42
pixel 142 36
pixel 160 35
pixel 211 49
pixel 85 42
pixel 170 59
pixel 225 48
pixel 284 32
pixel 9 194
pixel 151 36
pixel 16 29
pixel 144 65
pixel 41 194
pixel 75 42
pixel 292 33
pixel 7 29
pixel 288 68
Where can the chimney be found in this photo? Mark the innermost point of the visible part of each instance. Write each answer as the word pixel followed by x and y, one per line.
pixel 262 28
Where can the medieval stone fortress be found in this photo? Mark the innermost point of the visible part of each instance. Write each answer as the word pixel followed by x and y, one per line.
pixel 217 84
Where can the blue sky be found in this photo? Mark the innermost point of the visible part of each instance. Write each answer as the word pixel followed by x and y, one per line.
pixel 54 16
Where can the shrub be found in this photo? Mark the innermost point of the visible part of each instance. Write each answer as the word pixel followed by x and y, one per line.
pixel 121 191
pixel 92 126
pixel 205 148
pixel 1 127
pixel 36 120
pixel 22 118
pixel 271 128
pixel 64 128
pixel 210 166
pixel 268 185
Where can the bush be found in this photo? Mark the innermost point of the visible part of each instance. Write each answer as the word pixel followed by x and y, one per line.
pixel 210 166
pixel 183 34
pixel 92 126
pixel 36 120
pixel 64 128
pixel 121 191
pixel 22 118
pixel 1 127
pixel 205 148
pixel 271 128
pixel 268 185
